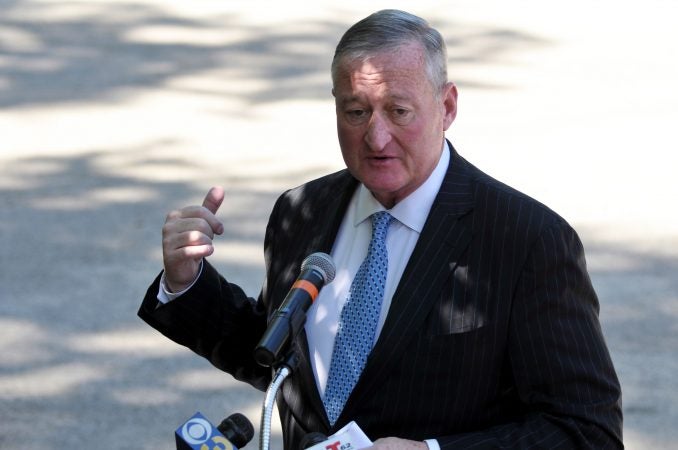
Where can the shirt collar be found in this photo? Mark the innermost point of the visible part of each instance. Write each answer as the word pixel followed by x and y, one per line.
pixel 413 210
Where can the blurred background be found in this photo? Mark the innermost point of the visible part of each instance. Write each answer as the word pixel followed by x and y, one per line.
pixel 112 113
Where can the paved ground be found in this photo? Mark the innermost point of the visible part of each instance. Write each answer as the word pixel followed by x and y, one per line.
pixel 111 113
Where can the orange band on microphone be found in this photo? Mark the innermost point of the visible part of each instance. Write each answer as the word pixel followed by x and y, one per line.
pixel 308 287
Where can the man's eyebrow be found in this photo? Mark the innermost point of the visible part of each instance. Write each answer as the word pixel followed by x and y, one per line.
pixel 348 99
pixel 356 98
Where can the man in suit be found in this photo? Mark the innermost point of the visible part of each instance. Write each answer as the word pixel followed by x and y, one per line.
pixel 487 332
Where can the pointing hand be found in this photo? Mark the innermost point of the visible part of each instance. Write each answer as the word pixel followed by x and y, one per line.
pixel 187 239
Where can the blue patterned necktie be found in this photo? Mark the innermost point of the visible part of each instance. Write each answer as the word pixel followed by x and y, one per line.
pixel 358 320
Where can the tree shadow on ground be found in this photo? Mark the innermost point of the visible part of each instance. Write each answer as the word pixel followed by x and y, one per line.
pixel 638 292
pixel 80 244
pixel 109 50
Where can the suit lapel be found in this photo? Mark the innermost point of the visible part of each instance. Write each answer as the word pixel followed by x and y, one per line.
pixel 325 217
pixel 438 249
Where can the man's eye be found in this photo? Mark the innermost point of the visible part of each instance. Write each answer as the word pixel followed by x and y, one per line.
pixel 401 116
pixel 356 116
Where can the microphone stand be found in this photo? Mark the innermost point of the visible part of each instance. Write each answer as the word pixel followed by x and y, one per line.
pixel 284 369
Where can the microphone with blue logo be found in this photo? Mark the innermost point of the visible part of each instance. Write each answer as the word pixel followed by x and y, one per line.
pixel 197 433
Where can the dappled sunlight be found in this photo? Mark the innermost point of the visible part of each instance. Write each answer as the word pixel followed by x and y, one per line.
pixel 237 252
pixel 208 378
pixel 635 439
pixel 22 41
pixel 58 11
pixel 127 39
pixel 24 173
pixel 114 195
pixel 147 396
pixel 51 381
pixel 177 34
pixel 613 260
pixel 136 343
pixel 22 343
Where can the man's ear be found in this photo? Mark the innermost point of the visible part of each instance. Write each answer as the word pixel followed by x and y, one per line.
pixel 449 104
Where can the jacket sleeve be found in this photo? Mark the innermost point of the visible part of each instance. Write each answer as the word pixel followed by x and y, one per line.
pixel 216 320
pixel 559 361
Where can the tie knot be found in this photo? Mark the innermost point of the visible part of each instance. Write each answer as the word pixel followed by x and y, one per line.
pixel 380 223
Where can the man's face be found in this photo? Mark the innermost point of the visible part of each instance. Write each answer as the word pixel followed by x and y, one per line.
pixel 390 122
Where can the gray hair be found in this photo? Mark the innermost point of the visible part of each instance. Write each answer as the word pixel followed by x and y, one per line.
pixel 386 30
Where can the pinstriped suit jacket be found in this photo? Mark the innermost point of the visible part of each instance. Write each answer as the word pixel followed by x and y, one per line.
pixel 492 339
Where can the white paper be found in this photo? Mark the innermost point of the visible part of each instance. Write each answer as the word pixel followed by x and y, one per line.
pixel 350 437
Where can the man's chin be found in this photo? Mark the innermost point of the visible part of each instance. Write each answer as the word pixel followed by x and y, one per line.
pixel 387 195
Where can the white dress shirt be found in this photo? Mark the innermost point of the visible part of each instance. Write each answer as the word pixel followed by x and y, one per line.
pixel 349 251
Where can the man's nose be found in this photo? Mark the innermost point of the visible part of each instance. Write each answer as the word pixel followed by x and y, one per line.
pixel 378 133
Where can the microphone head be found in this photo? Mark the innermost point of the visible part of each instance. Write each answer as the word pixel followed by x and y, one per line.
pixel 321 262
pixel 238 429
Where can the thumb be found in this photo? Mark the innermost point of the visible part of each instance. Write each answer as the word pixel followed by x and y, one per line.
pixel 213 199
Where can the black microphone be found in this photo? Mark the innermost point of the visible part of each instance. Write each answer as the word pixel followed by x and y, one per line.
pixel 317 270
pixel 197 433
pixel 311 439
pixel 238 429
